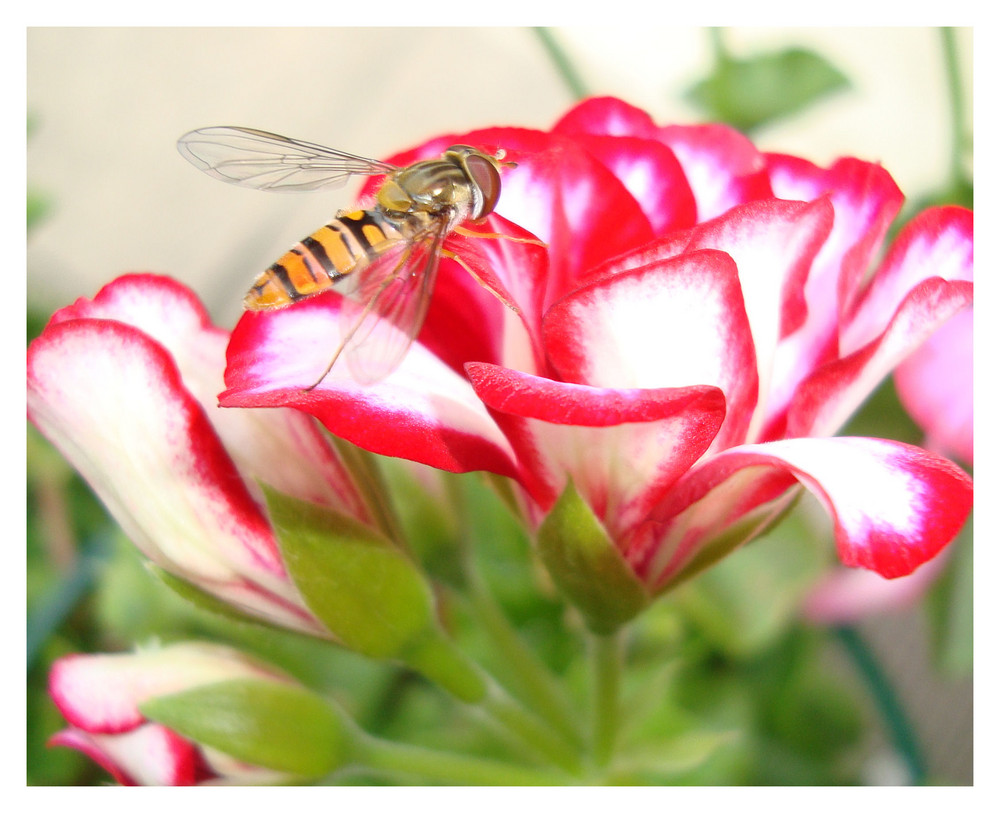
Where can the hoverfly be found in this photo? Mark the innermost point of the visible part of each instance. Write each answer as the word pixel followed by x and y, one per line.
pixel 383 260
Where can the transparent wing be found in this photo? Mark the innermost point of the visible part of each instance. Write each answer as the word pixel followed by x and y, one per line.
pixel 262 160
pixel 384 307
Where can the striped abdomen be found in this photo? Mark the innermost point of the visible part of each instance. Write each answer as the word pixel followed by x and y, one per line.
pixel 348 242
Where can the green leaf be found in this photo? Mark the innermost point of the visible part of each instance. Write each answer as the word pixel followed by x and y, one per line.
pixel 748 93
pixel 366 591
pixel 586 565
pixel 274 725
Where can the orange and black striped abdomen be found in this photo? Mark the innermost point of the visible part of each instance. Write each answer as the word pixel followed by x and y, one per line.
pixel 348 242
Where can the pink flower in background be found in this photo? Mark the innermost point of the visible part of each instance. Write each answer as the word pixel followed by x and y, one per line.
pixel 935 386
pixel 702 319
pixel 100 696
pixel 125 387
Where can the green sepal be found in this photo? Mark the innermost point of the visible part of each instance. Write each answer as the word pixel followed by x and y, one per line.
pixel 367 592
pixel 278 726
pixel 359 585
pixel 204 600
pixel 587 567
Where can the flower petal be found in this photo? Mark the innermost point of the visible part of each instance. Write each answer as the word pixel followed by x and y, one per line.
pixel 606 115
pixel 259 442
pixel 678 322
pixel 462 307
pixel 894 506
pixel 935 386
pixel 936 243
pixel 571 201
pixel 774 243
pixel 111 400
pixel 102 693
pixel 623 448
pixel 847 596
pixel 649 170
pixel 826 399
pixel 424 411
pixel 865 200
pixel 721 165
pixel 150 755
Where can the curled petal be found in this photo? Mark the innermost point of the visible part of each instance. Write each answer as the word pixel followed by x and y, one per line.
pixel 936 243
pixel 774 243
pixel 674 323
pixel 424 411
pixel 829 396
pixel 623 448
pixel 894 506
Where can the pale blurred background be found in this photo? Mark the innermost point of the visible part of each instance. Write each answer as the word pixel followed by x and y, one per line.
pixel 107 105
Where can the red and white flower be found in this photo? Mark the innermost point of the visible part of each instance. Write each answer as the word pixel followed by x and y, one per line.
pixel 100 696
pixel 702 321
pixel 125 386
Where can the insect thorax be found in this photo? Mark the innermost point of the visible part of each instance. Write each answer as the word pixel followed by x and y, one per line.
pixel 439 188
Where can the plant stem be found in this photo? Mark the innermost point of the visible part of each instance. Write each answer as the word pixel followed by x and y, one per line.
pixel 506 711
pixel 607 659
pixel 954 80
pixel 563 66
pixel 445 768
pixel 899 728
pixel 536 683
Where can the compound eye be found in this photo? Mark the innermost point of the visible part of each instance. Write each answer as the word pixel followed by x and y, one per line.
pixel 486 176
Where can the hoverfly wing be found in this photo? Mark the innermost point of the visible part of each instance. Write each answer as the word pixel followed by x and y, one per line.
pixel 262 160
pixel 385 306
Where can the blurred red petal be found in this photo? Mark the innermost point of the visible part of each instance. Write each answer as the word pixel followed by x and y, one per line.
pixel 151 755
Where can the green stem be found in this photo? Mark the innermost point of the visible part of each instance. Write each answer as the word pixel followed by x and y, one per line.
pixel 606 659
pixel 506 711
pixel 440 661
pixel 535 683
pixel 899 728
pixel 719 50
pixel 443 767
pixel 563 65
pixel 954 81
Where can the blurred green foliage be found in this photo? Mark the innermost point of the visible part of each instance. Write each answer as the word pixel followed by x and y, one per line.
pixel 763 88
